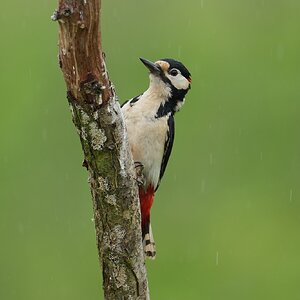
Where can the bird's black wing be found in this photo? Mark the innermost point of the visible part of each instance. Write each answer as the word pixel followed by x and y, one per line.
pixel 168 147
pixel 132 100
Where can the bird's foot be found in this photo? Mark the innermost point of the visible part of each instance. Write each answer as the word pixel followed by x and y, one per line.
pixel 139 173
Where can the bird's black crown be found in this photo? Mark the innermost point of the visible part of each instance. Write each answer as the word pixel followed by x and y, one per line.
pixel 178 65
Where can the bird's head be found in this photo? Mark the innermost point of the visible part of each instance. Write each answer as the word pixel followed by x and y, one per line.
pixel 169 78
pixel 170 71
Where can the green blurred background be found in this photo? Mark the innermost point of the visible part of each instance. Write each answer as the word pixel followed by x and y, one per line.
pixel 227 216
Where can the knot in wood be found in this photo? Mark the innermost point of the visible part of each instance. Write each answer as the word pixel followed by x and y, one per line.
pixel 64 12
pixel 67 11
pixel 92 87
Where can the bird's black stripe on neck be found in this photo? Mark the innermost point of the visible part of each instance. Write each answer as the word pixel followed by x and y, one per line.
pixel 169 106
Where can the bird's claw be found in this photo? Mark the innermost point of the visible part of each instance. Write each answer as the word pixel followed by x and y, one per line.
pixel 139 173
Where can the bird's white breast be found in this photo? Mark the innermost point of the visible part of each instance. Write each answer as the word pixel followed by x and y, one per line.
pixel 147 135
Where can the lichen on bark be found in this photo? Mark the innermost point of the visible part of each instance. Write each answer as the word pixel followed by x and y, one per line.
pixel 114 193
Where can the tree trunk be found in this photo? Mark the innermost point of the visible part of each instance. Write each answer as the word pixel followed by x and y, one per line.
pixel 98 120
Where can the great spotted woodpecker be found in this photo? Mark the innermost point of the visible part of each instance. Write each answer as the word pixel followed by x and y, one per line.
pixel 149 120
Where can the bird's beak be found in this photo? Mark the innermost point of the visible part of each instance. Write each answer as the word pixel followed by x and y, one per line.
pixel 153 68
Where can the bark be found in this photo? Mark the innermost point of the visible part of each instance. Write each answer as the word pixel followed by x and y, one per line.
pixel 98 120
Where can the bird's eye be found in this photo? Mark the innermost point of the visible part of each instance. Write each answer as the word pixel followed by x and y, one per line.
pixel 173 72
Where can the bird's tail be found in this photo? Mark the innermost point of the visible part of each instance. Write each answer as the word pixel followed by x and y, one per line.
pixel 148 243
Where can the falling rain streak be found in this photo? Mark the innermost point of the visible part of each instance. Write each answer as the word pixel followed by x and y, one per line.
pixel 217 258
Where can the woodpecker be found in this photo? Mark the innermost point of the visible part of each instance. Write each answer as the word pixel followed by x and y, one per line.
pixel 149 119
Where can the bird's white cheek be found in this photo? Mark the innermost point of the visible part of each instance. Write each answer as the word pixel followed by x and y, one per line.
pixel 180 82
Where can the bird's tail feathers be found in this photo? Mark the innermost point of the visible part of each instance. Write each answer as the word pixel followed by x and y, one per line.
pixel 149 244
